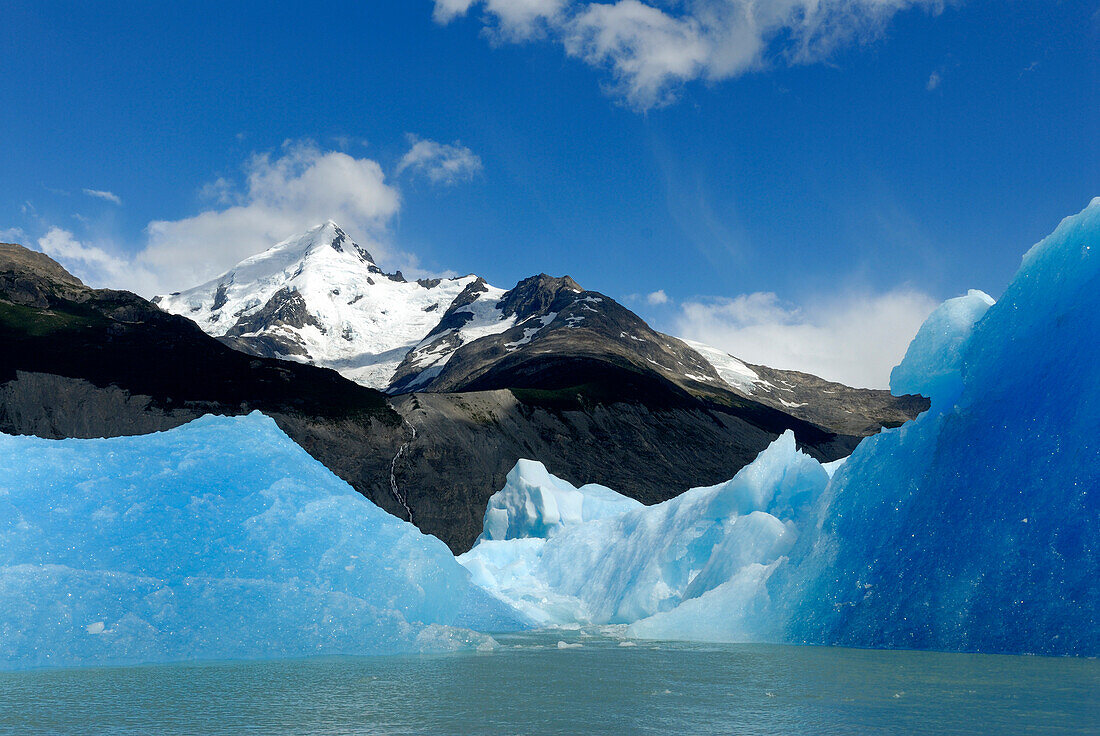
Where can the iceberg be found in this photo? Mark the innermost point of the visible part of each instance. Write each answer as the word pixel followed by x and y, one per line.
pixel 975 527
pixel 628 562
pixel 221 539
pixel 534 503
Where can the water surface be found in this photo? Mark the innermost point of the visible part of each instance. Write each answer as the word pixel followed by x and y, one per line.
pixel 531 686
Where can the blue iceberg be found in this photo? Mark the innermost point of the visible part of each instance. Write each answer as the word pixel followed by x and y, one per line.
pixel 977 526
pixel 219 539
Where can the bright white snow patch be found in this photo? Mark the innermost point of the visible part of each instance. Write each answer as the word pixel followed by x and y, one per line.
pixel 369 321
pixel 738 375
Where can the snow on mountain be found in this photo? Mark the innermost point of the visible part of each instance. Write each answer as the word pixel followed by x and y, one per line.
pixel 738 375
pixel 320 298
pixel 474 314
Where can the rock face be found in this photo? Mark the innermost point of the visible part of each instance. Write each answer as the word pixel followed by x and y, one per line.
pixel 78 362
pixel 466 443
pixel 81 362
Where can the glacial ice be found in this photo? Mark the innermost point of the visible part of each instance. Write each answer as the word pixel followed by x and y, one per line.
pixel 977 526
pixel 219 539
pixel 534 503
pixel 645 561
pixel 932 365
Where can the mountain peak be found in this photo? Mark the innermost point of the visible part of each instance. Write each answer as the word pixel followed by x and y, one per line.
pixel 535 294
pixel 330 234
pixel 19 259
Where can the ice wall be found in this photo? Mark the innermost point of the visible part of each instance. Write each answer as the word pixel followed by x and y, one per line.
pixel 632 565
pixel 219 539
pixel 977 526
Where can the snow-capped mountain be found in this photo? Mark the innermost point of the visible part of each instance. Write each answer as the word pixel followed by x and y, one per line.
pixel 320 298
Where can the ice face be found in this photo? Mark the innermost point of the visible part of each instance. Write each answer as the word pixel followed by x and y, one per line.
pixel 977 526
pixel 629 566
pixel 534 503
pixel 219 539
pixel 932 365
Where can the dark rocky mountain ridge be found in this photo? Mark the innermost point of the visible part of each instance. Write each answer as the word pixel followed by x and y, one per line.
pixel 81 362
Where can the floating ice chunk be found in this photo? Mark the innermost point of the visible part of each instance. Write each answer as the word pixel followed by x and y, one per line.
pixel 834 466
pixel 218 539
pixel 921 542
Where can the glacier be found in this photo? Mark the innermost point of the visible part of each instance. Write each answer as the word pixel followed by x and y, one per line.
pixel 975 527
pixel 623 563
pixel 221 539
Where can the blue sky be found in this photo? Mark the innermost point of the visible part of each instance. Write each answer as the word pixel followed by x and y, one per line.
pixel 799 194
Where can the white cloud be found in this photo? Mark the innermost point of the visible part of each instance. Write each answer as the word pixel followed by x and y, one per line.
pixel 855 339
pixel 657 297
pixel 441 163
pixel 282 194
pixel 102 194
pixel 651 48
pixel 934 80
pixel 95 265
pixel 12 235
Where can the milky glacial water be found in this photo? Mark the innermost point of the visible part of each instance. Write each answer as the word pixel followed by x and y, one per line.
pixel 530 685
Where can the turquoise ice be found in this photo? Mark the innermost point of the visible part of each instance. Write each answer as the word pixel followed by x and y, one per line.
pixel 977 526
pixel 220 539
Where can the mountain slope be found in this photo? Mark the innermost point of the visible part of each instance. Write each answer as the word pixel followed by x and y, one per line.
pixel 319 298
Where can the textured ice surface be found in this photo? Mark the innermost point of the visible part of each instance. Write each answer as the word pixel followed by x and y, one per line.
pixel 219 539
pixel 932 365
pixel 534 503
pixel 629 566
pixel 977 526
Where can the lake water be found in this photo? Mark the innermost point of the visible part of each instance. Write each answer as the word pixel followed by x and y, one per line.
pixel 531 686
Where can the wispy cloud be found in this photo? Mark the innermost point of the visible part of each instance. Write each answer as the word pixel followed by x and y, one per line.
pixel 13 235
pixel 442 163
pixel 103 194
pixel 855 338
pixel 934 80
pixel 652 48
pixel 94 264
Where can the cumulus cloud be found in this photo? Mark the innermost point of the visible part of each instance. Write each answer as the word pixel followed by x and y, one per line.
pixel 651 48
pixel 282 194
pixel 855 339
pixel 441 163
pixel 657 297
pixel 102 194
